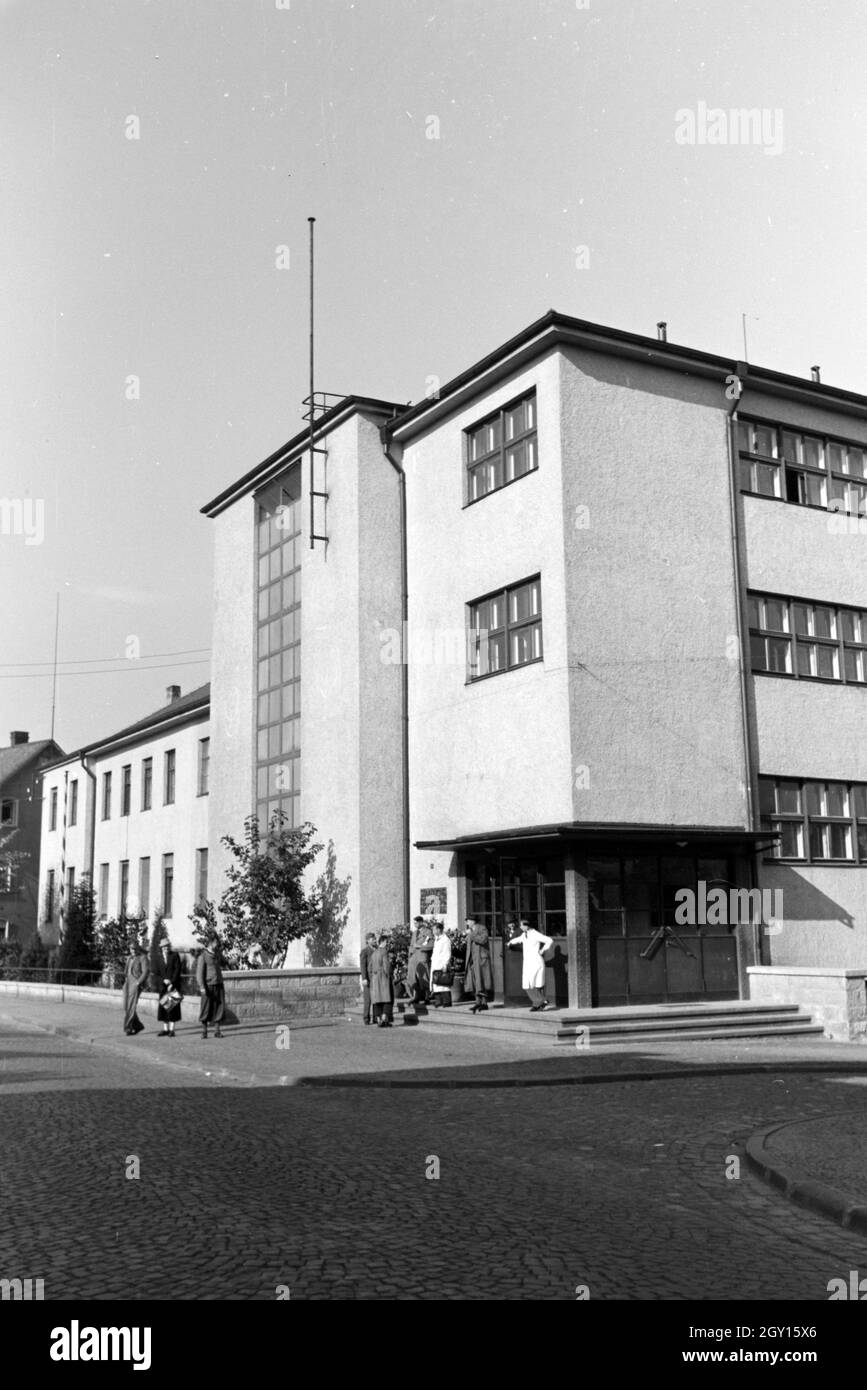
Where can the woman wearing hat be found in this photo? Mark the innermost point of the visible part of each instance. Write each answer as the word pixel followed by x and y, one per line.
pixel 135 978
pixel 169 1012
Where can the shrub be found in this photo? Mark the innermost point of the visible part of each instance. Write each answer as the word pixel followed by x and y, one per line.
pixel 77 961
pixel 34 960
pixel 10 958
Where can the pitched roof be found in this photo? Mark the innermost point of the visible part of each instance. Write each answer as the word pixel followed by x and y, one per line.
pixel 196 699
pixel 15 758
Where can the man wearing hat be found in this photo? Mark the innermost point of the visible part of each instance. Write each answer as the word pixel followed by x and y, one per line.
pixel 209 977
pixel 421 944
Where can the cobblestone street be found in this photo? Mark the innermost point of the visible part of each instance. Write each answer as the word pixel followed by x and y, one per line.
pixel 619 1186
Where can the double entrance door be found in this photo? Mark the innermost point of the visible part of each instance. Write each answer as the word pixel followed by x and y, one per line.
pixel 642 950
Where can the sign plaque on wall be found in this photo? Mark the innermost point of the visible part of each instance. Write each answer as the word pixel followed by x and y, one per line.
pixel 433 902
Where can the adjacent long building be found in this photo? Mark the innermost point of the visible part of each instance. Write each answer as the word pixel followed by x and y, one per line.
pixel 581 638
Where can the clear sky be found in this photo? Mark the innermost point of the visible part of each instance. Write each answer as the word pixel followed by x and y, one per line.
pixel 156 257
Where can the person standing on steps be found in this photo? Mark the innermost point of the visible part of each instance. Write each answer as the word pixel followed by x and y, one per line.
pixel 364 964
pixel 479 976
pixel 440 967
pixel 209 977
pixel 534 945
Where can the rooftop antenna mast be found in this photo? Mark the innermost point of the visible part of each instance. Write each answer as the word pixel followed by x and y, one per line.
pixel 314 492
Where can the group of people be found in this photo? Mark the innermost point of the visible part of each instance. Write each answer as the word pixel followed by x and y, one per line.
pixel 209 977
pixel 429 971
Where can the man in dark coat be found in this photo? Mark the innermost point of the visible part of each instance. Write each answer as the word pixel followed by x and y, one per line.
pixel 421 943
pixel 364 962
pixel 479 976
pixel 209 977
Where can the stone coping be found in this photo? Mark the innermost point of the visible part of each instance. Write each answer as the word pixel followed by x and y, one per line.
pixel 300 974
pixel 833 971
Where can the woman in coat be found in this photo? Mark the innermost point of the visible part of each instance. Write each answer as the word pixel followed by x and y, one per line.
pixel 441 995
pixel 534 945
pixel 170 1014
pixel 135 978
pixel 479 976
pixel 379 969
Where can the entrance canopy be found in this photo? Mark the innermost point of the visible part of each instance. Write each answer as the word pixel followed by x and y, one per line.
pixel 598 835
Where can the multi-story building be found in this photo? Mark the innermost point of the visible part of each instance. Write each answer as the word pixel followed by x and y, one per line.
pixel 585 642
pixel 131 812
pixel 21 765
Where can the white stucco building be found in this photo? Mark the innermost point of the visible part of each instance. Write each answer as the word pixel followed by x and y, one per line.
pixel 633 631
pixel 131 811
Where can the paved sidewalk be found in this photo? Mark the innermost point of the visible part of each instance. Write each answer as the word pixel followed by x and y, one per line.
pixel 343 1052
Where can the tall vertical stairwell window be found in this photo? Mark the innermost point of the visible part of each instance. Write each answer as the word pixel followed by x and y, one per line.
pixel 278 656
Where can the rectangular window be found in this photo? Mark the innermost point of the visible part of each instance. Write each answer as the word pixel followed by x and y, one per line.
pixel 103 890
pixel 277 779
pixel 123 888
pixel 125 789
pixel 789 637
pixel 70 886
pixel 818 822
pixel 144 884
pixel 168 883
pixel 73 802
pixel 106 796
pixel 49 896
pixel 204 765
pixel 505 630
pixel 809 470
pixel 52 810
pixel 201 875
pixel 147 783
pixel 169 778
pixel 8 813
pixel 502 448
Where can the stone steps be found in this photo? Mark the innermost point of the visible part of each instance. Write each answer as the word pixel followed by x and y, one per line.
pixel 644 1023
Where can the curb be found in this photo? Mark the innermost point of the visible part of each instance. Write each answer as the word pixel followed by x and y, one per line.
pixel 817 1197
pixel 681 1073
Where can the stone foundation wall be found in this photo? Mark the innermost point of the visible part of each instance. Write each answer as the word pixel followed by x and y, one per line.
pixel 835 997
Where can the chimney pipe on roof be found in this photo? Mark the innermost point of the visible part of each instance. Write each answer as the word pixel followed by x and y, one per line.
pixel 173 692
pixel 18 736
pixel 662 331
pixel 814 373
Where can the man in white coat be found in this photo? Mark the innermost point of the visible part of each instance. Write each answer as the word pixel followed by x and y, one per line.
pixel 534 946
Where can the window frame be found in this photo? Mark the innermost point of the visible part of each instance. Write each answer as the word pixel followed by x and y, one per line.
pixel 147 784
pixel 796 641
pixel 856 824
pixel 126 789
pixel 170 770
pixel 167 884
pixel 52 809
pixel 73 802
pixel 106 795
pixel 13 820
pixel 796 471
pixel 498 455
pixel 473 642
pixel 204 766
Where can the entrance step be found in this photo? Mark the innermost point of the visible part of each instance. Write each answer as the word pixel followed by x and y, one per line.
pixel 641 1024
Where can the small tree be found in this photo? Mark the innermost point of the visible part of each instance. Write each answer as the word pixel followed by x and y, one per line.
pixel 77 951
pixel 34 960
pixel 156 950
pixel 326 938
pixel 114 937
pixel 264 905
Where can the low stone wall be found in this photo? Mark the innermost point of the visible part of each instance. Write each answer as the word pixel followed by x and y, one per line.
pixel 835 997
pixel 295 993
pixel 249 994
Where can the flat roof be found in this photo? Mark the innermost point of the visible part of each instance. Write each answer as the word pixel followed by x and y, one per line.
pixel 601 832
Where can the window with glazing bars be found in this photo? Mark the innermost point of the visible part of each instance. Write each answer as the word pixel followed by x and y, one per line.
pixel 502 448
pixel 791 637
pixel 505 629
pixel 808 469
pixel 818 822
